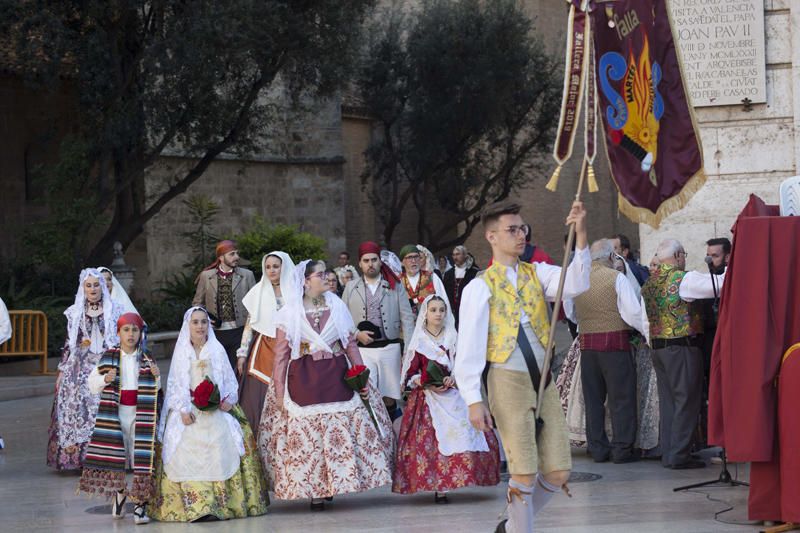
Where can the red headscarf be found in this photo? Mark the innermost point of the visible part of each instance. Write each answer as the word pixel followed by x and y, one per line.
pixel 130 318
pixel 223 247
pixel 369 247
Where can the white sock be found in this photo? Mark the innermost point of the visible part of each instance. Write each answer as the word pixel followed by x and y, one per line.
pixel 543 492
pixel 520 508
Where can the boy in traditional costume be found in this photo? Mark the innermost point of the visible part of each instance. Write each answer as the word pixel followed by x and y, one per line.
pixel 505 325
pixel 127 380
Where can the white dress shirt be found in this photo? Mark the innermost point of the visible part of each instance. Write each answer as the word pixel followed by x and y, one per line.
pixel 697 286
pixel 474 321
pixel 128 374
pixel 461 271
pixel 373 286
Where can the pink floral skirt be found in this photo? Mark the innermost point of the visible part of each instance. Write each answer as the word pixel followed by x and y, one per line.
pixel 321 455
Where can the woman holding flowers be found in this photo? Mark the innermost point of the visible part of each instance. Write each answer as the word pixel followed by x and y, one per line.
pixel 321 435
pixel 438 449
pixel 209 467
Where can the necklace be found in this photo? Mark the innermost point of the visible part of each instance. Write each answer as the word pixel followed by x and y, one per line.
pixel 316 313
pixel 93 306
pixel 432 334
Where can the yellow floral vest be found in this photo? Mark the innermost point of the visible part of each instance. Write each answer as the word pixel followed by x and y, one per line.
pixel 504 309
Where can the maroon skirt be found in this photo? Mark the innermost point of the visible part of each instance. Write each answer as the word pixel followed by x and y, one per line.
pixel 311 382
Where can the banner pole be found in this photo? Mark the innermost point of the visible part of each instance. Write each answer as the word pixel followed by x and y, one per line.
pixel 551 340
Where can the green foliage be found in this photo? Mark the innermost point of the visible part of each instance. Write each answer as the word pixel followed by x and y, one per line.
pixel 165 315
pixel 58 242
pixel 262 238
pixel 466 97
pixel 198 77
pixel 203 212
pixel 179 288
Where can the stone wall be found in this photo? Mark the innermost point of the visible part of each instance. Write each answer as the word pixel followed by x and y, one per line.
pixel 310 196
pixel 745 152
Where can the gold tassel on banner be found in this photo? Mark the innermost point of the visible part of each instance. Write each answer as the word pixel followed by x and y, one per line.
pixel 552 185
pixel 592 179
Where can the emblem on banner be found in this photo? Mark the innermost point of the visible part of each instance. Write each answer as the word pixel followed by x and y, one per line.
pixel 634 116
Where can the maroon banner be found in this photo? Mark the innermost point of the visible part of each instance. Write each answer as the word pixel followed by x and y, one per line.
pixel 653 147
pixel 574 82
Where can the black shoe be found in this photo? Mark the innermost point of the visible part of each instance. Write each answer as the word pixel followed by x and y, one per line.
pixel 601 458
pixel 329 499
pixel 689 465
pixel 317 506
pixel 440 498
pixel 501 527
pixel 630 458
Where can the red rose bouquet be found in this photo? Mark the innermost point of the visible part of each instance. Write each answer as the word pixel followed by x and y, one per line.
pixel 357 378
pixel 206 395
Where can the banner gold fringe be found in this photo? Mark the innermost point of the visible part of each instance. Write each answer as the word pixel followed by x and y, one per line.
pixel 552 185
pixel 592 179
pixel 667 207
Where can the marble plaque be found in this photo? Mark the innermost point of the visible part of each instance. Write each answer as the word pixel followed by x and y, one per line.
pixel 722 48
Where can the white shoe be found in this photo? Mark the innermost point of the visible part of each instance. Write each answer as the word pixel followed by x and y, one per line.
pixel 118 506
pixel 140 515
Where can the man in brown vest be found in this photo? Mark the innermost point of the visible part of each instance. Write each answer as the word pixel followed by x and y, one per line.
pixel 606 314
pixel 221 286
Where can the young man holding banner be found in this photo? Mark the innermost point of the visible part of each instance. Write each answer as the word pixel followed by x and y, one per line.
pixel 505 324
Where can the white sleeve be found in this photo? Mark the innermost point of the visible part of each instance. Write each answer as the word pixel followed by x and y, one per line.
pixel 576 280
pixel 228 386
pixel 96 381
pixel 5 323
pixel 472 338
pixel 569 310
pixel 628 304
pixel 697 285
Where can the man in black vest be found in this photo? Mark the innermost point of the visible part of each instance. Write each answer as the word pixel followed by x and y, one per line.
pixel 455 279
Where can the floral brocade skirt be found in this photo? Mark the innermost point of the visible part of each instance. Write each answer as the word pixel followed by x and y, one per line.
pixel 242 495
pixel 325 454
pixel 420 466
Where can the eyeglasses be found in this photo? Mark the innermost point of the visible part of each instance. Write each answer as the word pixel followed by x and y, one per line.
pixel 684 254
pixel 320 275
pixel 412 257
pixel 516 230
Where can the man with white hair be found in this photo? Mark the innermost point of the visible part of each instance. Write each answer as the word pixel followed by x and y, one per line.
pixel 675 328
pixel 606 314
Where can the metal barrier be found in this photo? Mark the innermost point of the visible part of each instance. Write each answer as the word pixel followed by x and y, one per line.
pixel 28 337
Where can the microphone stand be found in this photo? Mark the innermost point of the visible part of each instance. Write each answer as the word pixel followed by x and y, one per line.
pixel 725 477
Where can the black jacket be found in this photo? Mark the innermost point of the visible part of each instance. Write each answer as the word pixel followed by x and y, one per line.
pixel 450 286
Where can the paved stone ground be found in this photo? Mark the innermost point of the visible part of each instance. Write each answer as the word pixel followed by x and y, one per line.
pixel 627 498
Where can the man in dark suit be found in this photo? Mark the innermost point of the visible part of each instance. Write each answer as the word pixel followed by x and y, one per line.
pixel 458 277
